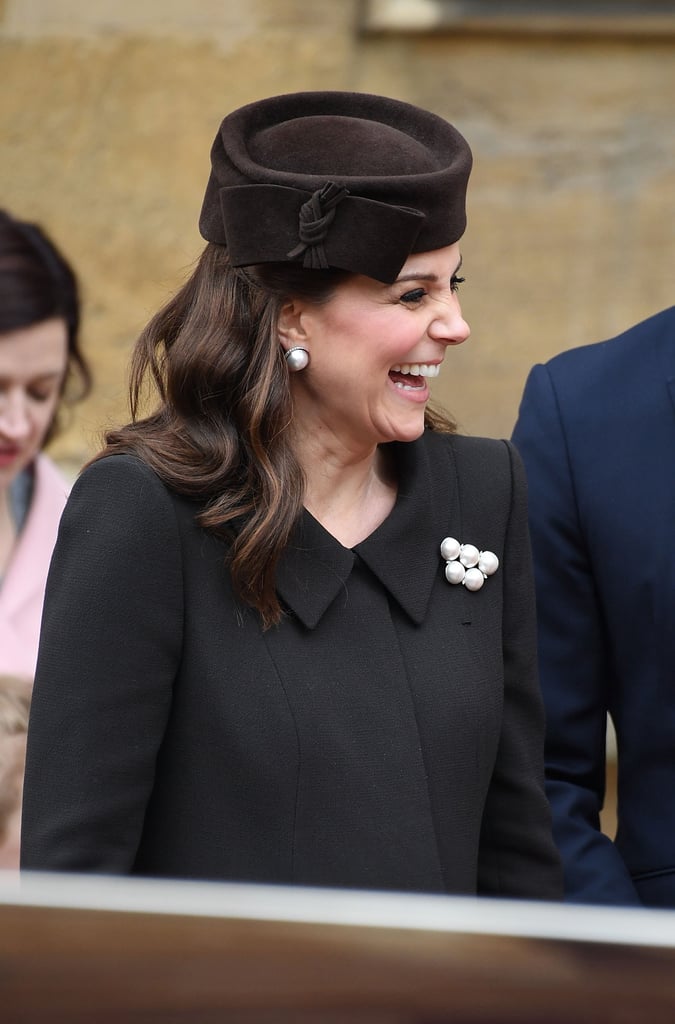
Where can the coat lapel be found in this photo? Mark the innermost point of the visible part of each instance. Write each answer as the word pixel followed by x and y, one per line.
pixel 24 582
pixel 403 553
pixel 312 571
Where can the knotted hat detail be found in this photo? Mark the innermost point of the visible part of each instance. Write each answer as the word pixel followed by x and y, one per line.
pixel 316 216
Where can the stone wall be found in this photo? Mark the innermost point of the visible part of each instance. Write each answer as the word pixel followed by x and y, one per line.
pixel 108 109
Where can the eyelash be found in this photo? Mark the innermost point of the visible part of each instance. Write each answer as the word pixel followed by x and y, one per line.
pixel 415 296
pixel 418 294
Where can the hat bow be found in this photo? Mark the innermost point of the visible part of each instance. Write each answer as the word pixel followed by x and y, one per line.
pixel 316 216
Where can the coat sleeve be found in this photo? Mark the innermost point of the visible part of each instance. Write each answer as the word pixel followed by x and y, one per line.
pixel 109 650
pixel 572 653
pixel 517 852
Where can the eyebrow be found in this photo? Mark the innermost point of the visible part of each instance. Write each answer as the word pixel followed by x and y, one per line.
pixel 412 276
pixel 47 377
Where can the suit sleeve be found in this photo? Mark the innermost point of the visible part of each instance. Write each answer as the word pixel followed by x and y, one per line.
pixel 109 650
pixel 518 855
pixel 572 654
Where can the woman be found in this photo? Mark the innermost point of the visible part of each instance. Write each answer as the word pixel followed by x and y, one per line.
pixel 253 665
pixel 40 359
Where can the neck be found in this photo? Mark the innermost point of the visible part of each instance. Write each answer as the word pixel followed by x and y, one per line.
pixel 349 494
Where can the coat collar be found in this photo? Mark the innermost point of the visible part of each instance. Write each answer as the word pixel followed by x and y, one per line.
pixel 403 553
pixel 25 578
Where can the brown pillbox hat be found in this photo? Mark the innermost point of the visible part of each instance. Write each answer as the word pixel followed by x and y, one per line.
pixel 335 179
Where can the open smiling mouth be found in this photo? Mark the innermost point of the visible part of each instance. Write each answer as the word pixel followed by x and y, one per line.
pixel 412 375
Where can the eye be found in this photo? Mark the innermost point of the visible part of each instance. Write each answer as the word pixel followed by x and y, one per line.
pixel 455 282
pixel 40 394
pixel 413 297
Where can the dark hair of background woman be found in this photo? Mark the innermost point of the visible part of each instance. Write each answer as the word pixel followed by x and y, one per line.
pixel 222 429
pixel 37 283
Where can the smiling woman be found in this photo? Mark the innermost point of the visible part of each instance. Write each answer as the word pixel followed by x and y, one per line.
pixel 250 627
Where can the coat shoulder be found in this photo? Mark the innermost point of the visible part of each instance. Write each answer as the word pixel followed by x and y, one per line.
pixel 488 472
pixel 132 482
pixel 476 459
pixel 469 447
pixel 619 361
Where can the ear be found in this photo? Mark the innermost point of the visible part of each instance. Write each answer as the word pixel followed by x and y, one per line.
pixel 291 327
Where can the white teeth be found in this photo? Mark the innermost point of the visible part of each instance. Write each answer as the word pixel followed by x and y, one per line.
pixel 418 369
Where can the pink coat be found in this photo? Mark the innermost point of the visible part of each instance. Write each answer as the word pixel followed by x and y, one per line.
pixel 23 586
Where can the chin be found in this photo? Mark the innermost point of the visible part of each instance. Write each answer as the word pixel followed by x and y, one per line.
pixel 408 433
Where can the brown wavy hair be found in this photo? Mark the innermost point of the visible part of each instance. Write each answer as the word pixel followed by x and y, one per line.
pixel 222 428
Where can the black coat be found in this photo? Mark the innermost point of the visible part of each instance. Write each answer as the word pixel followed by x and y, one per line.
pixel 388 734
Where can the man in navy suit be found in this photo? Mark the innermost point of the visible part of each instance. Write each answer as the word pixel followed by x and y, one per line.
pixel 596 430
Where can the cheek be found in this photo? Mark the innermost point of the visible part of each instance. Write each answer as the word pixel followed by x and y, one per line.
pixel 42 419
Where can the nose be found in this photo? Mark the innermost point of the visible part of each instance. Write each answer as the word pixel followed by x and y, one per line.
pixel 14 415
pixel 448 325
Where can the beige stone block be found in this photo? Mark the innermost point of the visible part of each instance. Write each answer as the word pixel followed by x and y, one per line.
pixel 107 116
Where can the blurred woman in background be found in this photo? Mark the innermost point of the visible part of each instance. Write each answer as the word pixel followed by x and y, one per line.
pixel 41 367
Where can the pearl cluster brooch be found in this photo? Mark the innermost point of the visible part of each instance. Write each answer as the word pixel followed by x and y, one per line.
pixel 466 564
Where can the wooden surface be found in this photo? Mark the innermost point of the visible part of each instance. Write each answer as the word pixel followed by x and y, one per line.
pixel 115 951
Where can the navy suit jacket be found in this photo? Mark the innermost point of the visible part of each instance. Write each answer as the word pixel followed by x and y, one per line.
pixel 596 431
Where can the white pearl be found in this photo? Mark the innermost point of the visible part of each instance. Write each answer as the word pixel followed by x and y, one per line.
pixel 449 548
pixel 297 359
pixel 473 579
pixel 454 572
pixel 469 555
pixel 488 562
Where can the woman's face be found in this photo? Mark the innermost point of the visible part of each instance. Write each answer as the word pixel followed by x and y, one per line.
pixel 32 369
pixel 373 349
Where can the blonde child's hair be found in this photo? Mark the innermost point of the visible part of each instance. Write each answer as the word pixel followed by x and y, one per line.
pixel 15 696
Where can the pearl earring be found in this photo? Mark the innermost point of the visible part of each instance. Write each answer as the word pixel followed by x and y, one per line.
pixel 297 358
